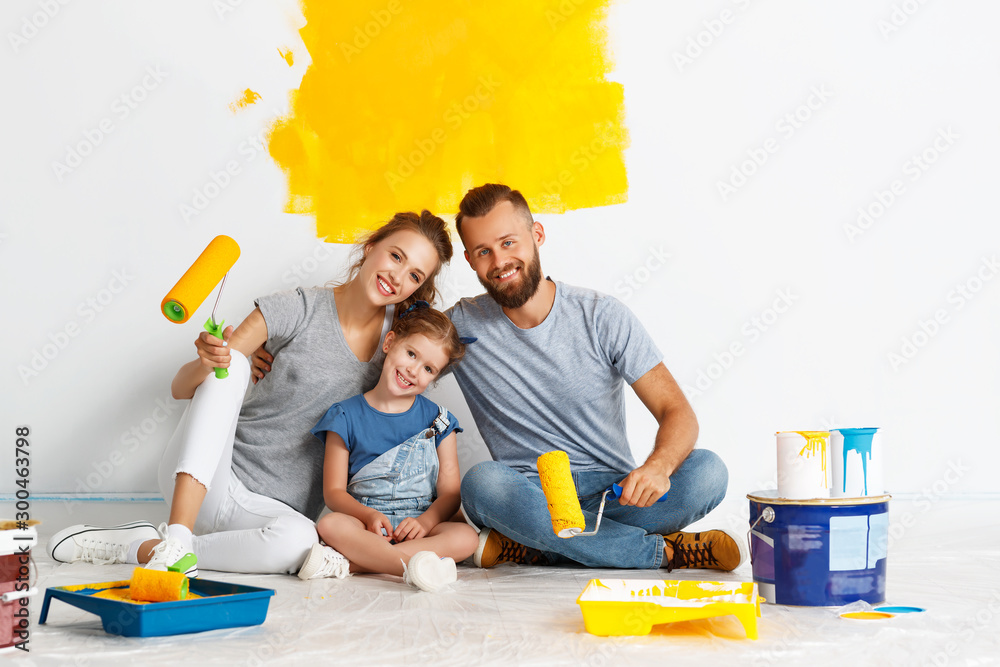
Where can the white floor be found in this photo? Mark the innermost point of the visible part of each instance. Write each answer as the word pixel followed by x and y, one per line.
pixel 944 556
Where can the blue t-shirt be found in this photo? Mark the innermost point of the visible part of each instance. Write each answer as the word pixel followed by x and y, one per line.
pixel 559 385
pixel 369 433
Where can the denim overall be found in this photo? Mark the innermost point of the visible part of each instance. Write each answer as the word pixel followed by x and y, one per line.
pixel 402 482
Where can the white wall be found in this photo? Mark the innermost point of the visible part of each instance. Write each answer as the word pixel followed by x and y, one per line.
pixel 109 232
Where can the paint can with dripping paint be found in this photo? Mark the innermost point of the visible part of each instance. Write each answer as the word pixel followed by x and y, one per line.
pixel 803 464
pixel 856 458
pixel 824 552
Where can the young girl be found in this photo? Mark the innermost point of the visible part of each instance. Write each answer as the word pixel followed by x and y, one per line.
pixel 390 475
pixel 241 472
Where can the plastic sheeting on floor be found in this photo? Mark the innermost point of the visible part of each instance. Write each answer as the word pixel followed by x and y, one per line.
pixel 944 556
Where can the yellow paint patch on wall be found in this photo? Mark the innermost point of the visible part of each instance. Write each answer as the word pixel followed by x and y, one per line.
pixel 247 98
pixel 287 56
pixel 409 104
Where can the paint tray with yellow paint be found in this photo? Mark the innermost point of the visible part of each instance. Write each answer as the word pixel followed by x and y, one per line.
pixel 211 605
pixel 615 607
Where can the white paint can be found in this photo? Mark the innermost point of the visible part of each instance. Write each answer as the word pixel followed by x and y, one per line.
pixel 803 464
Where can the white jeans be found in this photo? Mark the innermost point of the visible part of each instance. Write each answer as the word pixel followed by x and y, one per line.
pixel 236 530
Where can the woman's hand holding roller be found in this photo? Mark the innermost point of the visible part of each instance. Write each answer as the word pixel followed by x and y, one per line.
pixel 212 352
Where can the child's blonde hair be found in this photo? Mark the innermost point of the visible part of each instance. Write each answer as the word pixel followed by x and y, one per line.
pixel 435 325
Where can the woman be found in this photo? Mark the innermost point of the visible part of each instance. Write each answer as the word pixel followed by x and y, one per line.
pixel 245 474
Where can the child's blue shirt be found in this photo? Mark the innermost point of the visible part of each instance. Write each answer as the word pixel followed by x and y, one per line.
pixel 369 433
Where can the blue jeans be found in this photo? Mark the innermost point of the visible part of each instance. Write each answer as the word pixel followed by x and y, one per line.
pixel 495 496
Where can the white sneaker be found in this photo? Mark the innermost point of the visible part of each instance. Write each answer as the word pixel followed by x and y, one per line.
pixel 324 561
pixel 171 554
pixel 94 544
pixel 428 572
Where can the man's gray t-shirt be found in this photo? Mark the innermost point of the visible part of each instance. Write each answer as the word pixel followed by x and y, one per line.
pixel 559 385
pixel 274 453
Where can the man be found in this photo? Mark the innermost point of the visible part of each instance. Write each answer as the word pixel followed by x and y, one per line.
pixel 547 372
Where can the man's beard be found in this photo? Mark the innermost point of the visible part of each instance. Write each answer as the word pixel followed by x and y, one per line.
pixel 516 294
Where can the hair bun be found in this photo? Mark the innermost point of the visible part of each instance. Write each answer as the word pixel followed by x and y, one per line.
pixel 428 217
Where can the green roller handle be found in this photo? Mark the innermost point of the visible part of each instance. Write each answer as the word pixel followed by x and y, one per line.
pixel 216 330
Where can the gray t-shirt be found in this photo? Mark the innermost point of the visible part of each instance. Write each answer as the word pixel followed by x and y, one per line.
pixel 559 385
pixel 274 454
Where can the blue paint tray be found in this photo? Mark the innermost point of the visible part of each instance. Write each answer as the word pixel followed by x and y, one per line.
pixel 221 605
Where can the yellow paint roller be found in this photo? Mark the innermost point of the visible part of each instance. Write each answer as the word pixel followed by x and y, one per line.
pixel 198 282
pixel 560 494
pixel 158 585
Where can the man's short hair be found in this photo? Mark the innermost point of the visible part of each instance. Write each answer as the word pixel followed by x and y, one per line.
pixel 479 201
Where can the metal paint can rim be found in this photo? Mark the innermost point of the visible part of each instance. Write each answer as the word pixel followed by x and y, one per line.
pixel 770 497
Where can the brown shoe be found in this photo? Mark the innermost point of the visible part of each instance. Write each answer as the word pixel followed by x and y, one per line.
pixel 709 550
pixel 495 548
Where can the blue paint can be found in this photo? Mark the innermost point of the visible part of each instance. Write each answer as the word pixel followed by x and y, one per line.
pixel 825 552
pixel 856 458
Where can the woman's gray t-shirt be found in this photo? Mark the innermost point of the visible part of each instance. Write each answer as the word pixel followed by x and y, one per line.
pixel 274 453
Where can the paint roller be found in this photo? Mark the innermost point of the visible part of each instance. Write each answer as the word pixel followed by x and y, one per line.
pixel 158 585
pixel 198 282
pixel 560 493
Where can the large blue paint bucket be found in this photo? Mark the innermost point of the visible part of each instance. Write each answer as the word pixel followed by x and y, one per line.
pixel 825 552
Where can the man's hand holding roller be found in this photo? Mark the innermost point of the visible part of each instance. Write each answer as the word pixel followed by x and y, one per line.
pixel 645 485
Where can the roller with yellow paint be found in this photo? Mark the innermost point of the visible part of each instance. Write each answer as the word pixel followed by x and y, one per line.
pixel 158 585
pixel 560 494
pixel 211 267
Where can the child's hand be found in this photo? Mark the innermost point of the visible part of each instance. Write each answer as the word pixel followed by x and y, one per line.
pixel 379 524
pixel 409 529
